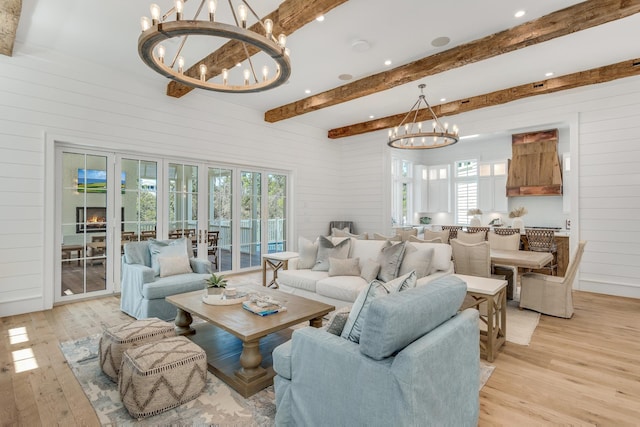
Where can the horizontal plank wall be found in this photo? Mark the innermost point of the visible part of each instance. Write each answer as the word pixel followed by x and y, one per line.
pixel 604 123
pixel 48 92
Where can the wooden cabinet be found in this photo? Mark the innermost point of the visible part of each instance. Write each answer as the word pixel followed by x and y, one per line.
pixel 562 254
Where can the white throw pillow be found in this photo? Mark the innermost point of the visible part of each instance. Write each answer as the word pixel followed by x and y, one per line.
pixel 344 267
pixel 418 260
pixel 172 265
pixel 308 252
pixel 370 270
pixel 326 250
pixel 170 248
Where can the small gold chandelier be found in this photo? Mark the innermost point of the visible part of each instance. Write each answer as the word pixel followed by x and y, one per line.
pixel 412 134
pixel 159 29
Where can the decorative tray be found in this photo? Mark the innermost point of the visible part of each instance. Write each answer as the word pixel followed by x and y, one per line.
pixel 224 299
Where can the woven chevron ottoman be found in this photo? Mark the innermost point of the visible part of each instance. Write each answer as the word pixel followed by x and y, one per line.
pixel 161 375
pixel 117 339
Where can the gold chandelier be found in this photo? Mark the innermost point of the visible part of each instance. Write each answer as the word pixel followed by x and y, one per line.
pixel 160 29
pixel 412 134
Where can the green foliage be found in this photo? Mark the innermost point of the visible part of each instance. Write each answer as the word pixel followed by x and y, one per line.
pixel 216 281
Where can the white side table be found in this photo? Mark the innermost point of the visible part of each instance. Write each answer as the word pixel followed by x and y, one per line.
pixel 494 293
pixel 276 261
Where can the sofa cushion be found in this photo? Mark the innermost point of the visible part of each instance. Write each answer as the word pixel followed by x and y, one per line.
pixel 377 236
pixel 167 248
pixel 336 232
pixel 369 270
pixel 327 249
pixel 395 321
pixel 337 320
pixel 390 259
pixel 366 249
pixel 405 234
pixel 172 265
pixel 441 260
pixel 358 313
pixel 308 252
pixel 418 260
pixel 137 253
pixel 442 235
pixel 415 239
pixel 401 283
pixel 343 288
pixel 301 279
pixel 172 285
pixel 344 267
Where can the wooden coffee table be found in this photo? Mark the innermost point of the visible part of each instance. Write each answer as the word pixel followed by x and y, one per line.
pixel 239 343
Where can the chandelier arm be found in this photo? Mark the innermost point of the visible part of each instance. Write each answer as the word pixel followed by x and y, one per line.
pixel 435 118
pixel 184 38
pixel 408 113
pixel 415 115
pixel 173 9
pixel 253 71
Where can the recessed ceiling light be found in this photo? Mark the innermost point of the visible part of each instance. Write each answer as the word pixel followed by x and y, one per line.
pixel 360 45
pixel 320 18
pixel 372 116
pixel 549 74
pixel 440 41
pixel 443 99
pixel 387 62
pixel 520 14
pixel 238 65
pixel 345 76
pixel 307 91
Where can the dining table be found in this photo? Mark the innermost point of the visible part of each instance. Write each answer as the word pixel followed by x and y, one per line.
pixel 530 260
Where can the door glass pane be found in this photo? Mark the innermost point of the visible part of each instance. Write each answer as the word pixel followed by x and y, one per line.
pixel 220 203
pixel 183 200
pixel 139 200
pixel 250 215
pixel 276 224
pixel 83 224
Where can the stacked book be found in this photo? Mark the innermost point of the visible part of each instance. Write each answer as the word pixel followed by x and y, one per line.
pixel 262 308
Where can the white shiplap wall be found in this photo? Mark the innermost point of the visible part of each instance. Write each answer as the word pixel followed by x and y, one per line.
pixel 604 135
pixel 68 99
pixel 46 96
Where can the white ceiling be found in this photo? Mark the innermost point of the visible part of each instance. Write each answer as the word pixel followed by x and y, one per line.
pixel 106 32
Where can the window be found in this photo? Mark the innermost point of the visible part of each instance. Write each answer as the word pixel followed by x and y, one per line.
pixel 466 187
pixel 402 190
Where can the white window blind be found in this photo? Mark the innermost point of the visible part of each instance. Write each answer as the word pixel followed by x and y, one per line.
pixel 466 185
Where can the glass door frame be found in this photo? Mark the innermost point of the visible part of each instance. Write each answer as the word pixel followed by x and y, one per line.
pixel 112 223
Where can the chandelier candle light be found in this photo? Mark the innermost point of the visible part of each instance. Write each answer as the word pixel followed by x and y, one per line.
pixel 160 29
pixel 413 134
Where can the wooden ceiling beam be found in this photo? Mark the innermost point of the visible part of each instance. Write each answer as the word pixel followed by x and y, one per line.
pixel 556 24
pixel 583 78
pixel 9 17
pixel 290 16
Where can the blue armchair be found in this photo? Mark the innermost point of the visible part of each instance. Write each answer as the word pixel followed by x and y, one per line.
pixel 144 288
pixel 430 378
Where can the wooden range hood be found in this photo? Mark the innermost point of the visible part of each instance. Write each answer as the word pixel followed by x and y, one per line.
pixel 534 169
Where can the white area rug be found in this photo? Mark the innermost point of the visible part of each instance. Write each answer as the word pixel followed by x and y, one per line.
pixel 520 324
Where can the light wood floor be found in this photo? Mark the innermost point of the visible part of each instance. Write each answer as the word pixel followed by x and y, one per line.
pixel 583 371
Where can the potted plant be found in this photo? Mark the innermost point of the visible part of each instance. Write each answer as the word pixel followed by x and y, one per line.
pixel 215 284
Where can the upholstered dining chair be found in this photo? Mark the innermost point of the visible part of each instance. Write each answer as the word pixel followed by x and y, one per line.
pixel 551 295
pixel 543 240
pixel 453 231
pixel 507 242
pixel 471 259
pixel 504 231
pixel 484 230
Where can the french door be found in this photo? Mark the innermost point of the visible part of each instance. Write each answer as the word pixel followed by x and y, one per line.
pixel 204 202
pixel 231 215
pixel 85 208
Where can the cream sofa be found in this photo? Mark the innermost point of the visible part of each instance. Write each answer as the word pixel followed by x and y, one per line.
pixel 341 291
